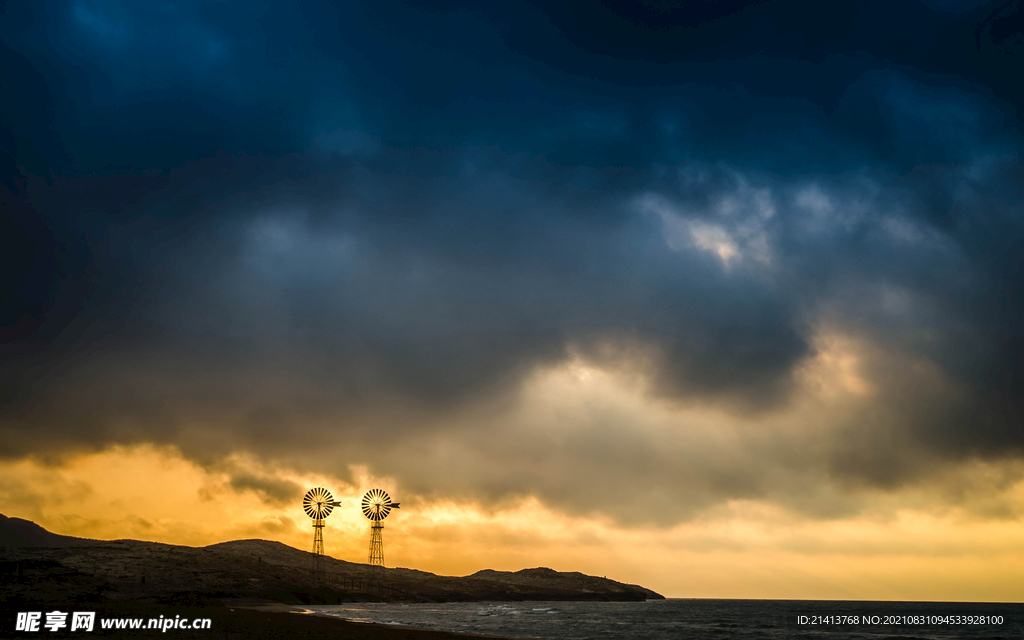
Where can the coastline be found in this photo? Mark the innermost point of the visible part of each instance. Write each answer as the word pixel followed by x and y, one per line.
pixel 376 628
pixel 266 621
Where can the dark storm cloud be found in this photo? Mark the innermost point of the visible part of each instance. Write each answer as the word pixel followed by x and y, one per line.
pixel 230 223
pixel 271 490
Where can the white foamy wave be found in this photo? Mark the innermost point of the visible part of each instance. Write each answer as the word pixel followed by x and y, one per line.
pixel 498 610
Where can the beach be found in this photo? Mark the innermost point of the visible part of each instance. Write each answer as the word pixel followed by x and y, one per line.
pixel 250 622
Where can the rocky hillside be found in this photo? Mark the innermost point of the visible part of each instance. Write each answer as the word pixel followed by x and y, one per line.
pixel 41 566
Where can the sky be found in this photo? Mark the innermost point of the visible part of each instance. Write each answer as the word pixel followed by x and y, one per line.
pixel 720 298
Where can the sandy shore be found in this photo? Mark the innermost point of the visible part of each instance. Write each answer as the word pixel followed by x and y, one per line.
pixel 256 622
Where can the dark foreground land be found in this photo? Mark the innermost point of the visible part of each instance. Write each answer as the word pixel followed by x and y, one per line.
pixel 232 623
pixel 236 583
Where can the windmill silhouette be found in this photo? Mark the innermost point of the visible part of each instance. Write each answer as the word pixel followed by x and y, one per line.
pixel 318 504
pixel 376 506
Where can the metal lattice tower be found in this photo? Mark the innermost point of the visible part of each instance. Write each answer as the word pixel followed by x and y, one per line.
pixel 318 550
pixel 376 506
pixel 376 544
pixel 318 504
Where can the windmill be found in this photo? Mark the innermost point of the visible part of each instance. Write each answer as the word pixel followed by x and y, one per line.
pixel 376 506
pixel 318 504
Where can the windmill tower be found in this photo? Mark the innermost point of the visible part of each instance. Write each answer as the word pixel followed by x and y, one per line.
pixel 318 504
pixel 376 506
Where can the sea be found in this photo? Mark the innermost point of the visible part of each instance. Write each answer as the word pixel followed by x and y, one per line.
pixel 701 619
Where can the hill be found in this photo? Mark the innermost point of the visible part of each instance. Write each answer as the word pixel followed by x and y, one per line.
pixel 40 566
pixel 16 532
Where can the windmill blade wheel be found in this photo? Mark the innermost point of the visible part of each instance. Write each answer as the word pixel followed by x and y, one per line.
pixel 318 503
pixel 376 504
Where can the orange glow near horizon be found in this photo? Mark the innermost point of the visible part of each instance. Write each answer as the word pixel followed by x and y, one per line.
pixel 952 534
pixel 741 550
